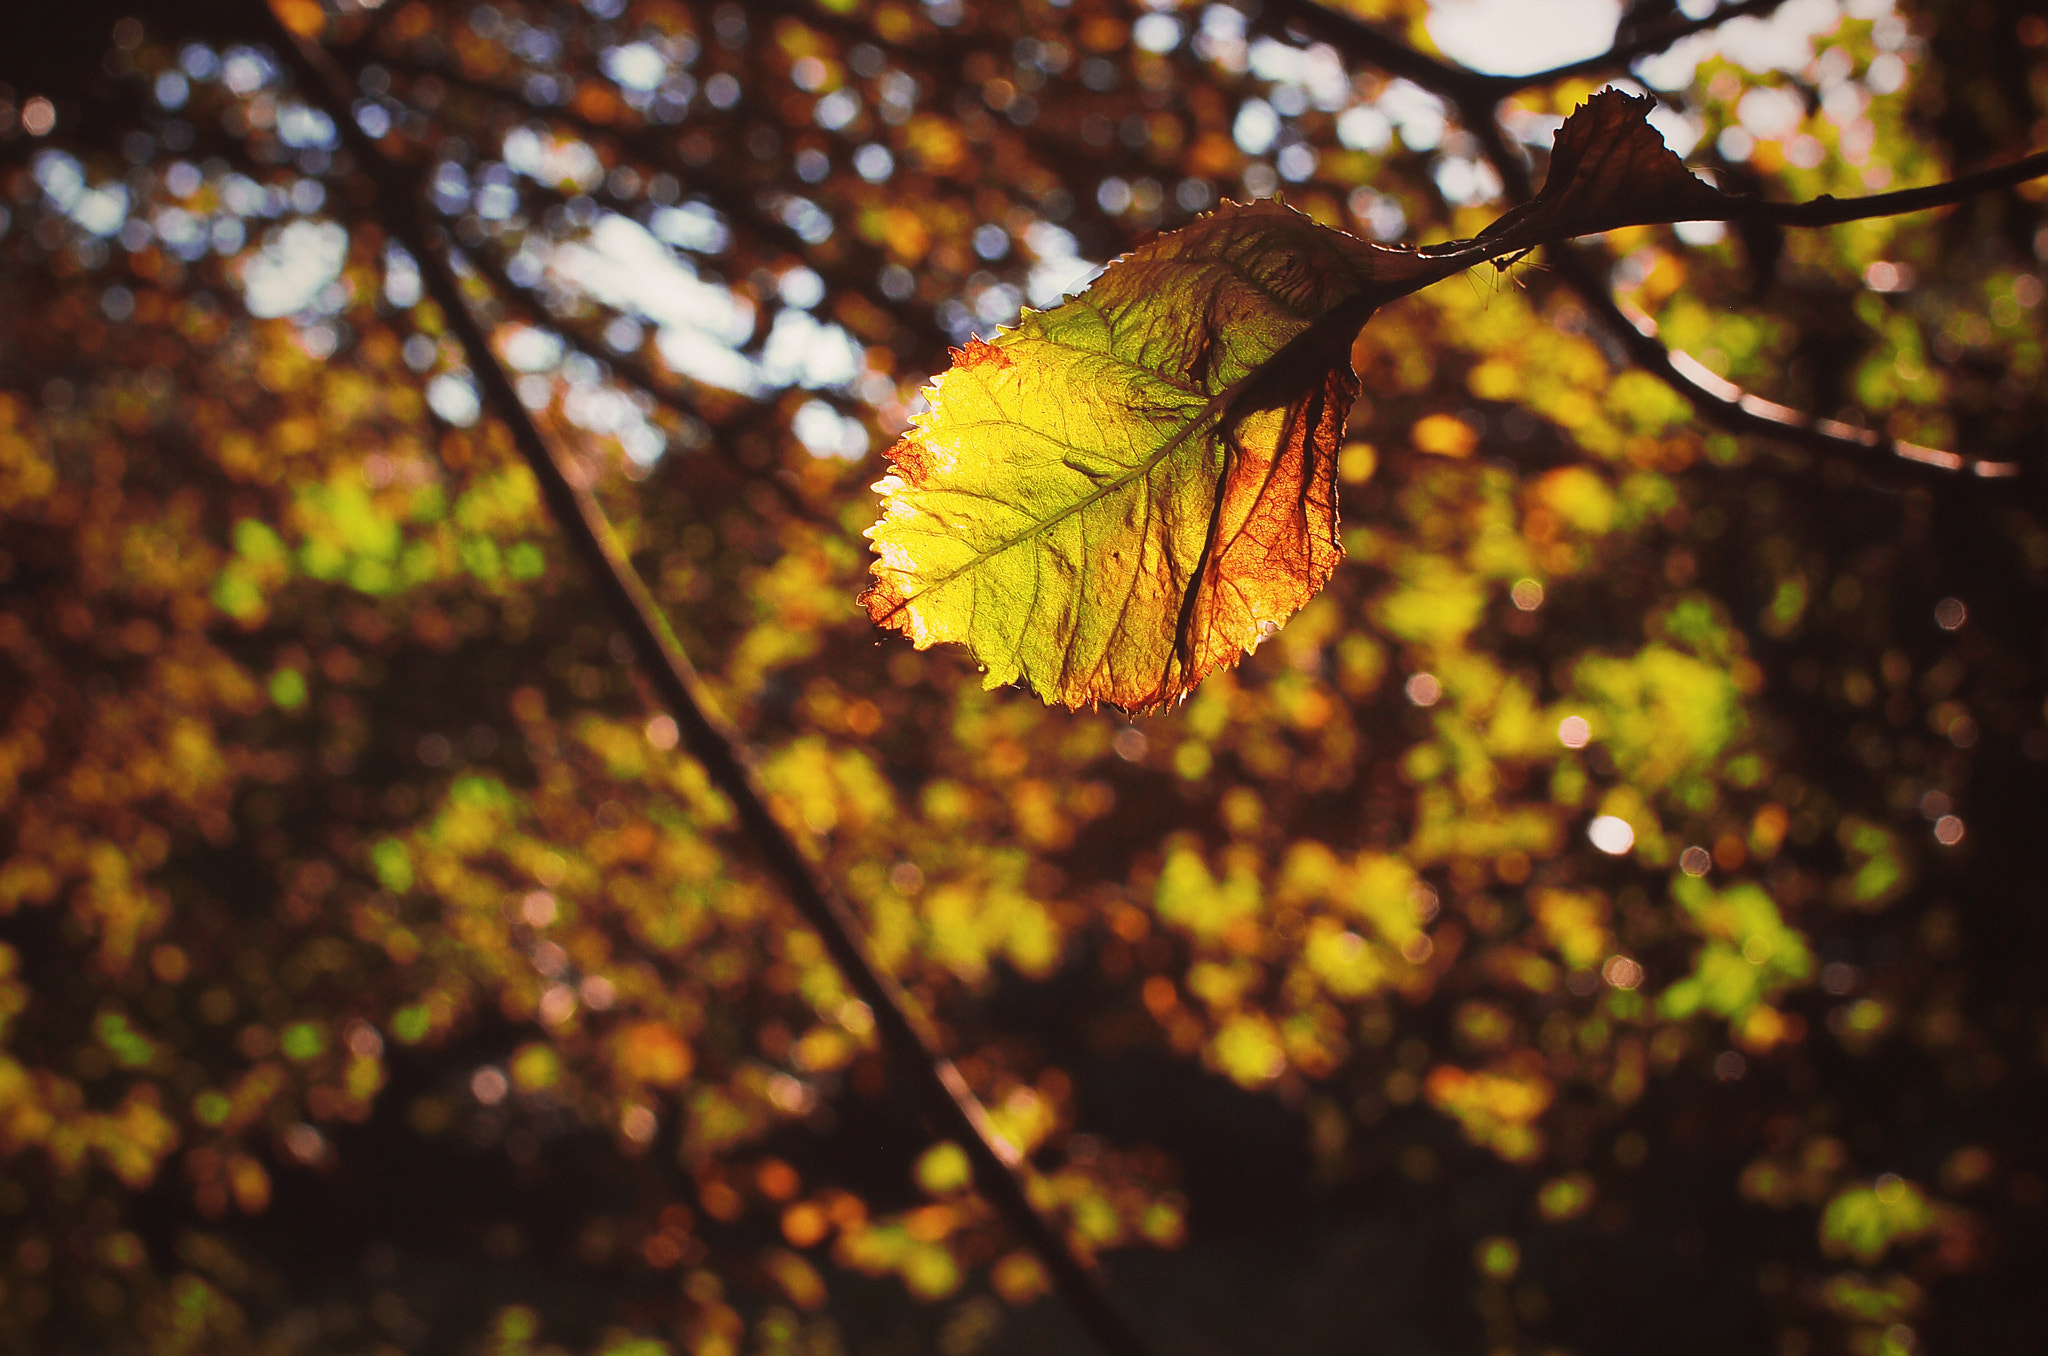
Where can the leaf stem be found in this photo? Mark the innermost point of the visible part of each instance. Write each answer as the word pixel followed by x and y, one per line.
pixel 904 1032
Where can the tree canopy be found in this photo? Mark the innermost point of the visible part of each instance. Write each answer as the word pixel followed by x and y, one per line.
pixel 472 878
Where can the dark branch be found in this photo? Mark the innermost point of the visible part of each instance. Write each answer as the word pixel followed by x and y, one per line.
pixel 1727 404
pixel 1377 46
pixel 1719 400
pixel 658 385
pixel 736 200
pixel 904 1033
pixel 1633 47
pixel 1830 211
pixel 1368 42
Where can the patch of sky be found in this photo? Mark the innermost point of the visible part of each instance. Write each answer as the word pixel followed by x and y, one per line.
pixel 454 399
pixel 836 109
pixel 245 70
pixel 100 210
pixel 699 325
pixel 293 270
pixel 1307 75
pixel 691 226
pixel 450 188
pixel 1058 269
pixel 874 163
pixel 301 127
pixel 804 351
pixel 1156 33
pixel 811 222
pixel 562 162
pixel 530 349
pixel 600 409
pixel 635 66
pixel 801 288
pixel 825 432
pixel 1365 128
pixel 198 61
pixel 1770 112
pixel 1533 129
pixel 1518 37
pixel 1416 113
pixel 1681 131
pixel 1675 66
pixel 1464 182
pixel 402 284
pixel 181 233
pixel 991 241
pixel 1256 127
pixel 497 199
pixel 244 197
pixel 1783 40
pixel 537 45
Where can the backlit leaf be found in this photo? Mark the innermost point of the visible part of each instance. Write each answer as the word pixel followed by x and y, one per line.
pixel 1119 495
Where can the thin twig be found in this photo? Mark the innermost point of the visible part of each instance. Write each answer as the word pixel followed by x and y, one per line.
pixel 1628 50
pixel 1727 404
pixel 1372 43
pixel 653 145
pixel 1830 211
pixel 1718 400
pixel 903 1031
pixel 646 377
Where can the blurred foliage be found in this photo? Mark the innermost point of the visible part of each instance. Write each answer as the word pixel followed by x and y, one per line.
pixel 1601 920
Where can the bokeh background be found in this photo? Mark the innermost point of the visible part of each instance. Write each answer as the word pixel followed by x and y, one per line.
pixel 1607 920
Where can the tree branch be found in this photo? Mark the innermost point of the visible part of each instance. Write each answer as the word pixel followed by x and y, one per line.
pixel 1369 42
pixel 1712 396
pixel 650 145
pixel 904 1032
pixel 1829 211
pixel 1628 50
pixel 1727 404
pixel 644 375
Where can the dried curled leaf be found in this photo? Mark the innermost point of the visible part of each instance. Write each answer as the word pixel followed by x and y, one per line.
pixel 1119 495
pixel 1608 168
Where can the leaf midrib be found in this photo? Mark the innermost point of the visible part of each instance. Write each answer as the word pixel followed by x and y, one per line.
pixel 1214 404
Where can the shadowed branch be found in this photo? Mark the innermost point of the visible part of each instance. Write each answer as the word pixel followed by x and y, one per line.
pixel 904 1032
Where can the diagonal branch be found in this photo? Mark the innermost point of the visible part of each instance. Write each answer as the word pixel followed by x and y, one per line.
pixel 1714 397
pixel 998 1170
pixel 1727 404
pixel 649 144
pixel 1377 45
pixel 646 376
pixel 1633 47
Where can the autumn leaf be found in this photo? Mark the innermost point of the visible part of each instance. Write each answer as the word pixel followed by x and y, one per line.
pixel 1119 495
pixel 1608 168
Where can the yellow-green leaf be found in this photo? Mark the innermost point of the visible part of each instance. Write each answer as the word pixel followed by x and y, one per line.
pixel 1121 494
